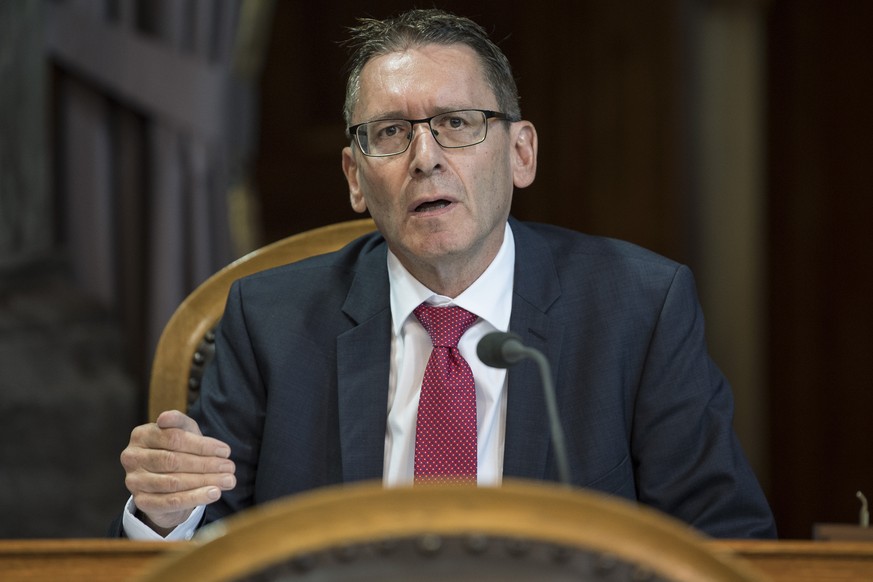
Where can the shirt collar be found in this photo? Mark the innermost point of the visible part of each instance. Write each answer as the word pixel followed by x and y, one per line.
pixel 489 297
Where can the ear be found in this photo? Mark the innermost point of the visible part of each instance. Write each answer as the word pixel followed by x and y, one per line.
pixel 350 169
pixel 524 153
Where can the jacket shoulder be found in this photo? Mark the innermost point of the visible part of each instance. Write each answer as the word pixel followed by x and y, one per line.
pixel 570 246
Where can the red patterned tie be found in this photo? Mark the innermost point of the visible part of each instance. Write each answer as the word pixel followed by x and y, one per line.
pixel 445 436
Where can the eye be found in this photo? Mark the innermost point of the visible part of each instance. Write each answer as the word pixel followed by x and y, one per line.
pixel 452 122
pixel 389 131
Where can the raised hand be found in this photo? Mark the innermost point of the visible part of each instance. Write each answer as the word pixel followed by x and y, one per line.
pixel 171 468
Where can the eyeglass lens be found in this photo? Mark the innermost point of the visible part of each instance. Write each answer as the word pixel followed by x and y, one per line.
pixel 454 129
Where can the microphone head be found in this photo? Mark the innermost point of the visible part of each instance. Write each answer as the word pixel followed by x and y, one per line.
pixel 500 349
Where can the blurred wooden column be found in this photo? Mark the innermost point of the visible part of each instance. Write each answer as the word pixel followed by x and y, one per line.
pixel 26 210
pixel 724 163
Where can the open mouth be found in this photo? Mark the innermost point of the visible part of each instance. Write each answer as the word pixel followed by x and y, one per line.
pixel 432 205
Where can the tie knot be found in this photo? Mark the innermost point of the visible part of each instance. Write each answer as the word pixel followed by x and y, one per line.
pixel 444 325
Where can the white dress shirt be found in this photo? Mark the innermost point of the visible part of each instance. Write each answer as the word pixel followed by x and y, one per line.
pixel 489 297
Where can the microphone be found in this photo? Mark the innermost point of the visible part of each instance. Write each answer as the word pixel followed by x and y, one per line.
pixel 502 349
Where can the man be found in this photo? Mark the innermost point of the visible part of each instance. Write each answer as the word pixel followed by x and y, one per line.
pixel 320 365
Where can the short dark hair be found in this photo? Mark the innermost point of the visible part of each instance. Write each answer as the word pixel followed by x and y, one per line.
pixel 419 27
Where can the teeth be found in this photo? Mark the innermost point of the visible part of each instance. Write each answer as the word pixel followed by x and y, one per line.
pixel 432 205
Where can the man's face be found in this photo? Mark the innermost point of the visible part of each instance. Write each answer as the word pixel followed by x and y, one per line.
pixel 437 207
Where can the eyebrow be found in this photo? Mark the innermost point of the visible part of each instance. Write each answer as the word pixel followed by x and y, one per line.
pixel 399 115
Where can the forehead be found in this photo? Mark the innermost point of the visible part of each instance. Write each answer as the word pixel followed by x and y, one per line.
pixel 420 81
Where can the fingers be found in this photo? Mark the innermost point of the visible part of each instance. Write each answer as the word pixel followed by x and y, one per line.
pixel 172 468
pixel 138 458
pixel 178 447
pixel 167 500
pixel 167 510
pixel 175 431
pixel 166 492
pixel 148 483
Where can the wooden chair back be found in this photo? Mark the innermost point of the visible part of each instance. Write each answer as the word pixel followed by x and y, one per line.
pixel 522 531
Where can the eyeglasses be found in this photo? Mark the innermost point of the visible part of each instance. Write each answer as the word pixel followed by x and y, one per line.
pixel 452 129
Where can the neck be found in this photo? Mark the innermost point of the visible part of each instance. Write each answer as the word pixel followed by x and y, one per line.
pixel 451 272
pixel 443 280
pixel 450 275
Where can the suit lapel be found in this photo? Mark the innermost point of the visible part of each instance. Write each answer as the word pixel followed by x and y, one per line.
pixel 363 363
pixel 535 289
pixel 363 359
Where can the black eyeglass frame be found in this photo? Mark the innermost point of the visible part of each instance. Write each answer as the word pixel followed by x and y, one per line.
pixel 352 130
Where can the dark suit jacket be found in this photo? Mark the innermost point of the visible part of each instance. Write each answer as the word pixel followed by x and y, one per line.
pixel 298 388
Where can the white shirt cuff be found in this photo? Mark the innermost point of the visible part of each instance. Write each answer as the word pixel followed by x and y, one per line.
pixel 135 529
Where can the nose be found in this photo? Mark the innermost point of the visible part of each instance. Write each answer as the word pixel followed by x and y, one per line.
pixel 427 154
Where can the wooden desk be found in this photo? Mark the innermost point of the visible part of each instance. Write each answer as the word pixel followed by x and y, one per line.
pixel 806 561
pixel 119 560
pixel 78 560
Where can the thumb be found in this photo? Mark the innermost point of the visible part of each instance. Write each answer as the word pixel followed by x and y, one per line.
pixel 176 419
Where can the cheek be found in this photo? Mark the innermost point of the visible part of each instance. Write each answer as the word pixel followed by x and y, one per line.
pixel 495 182
pixel 375 192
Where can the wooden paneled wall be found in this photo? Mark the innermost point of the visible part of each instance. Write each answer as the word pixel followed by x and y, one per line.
pixel 820 259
